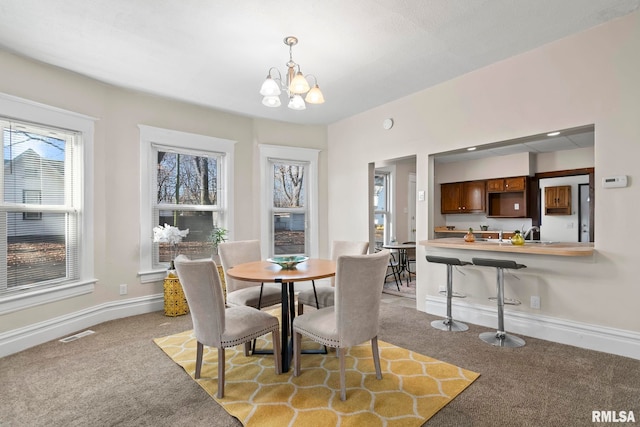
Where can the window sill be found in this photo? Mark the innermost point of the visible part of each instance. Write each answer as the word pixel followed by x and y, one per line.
pixel 152 276
pixel 11 302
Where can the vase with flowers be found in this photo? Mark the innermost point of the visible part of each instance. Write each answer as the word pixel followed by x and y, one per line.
pixel 172 236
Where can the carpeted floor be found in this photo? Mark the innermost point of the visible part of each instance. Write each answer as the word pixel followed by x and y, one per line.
pixel 408 291
pixel 413 387
pixel 119 377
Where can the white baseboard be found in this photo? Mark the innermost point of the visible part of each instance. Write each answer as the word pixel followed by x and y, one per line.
pixel 22 338
pixel 593 337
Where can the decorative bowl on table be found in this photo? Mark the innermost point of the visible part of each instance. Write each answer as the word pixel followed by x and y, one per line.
pixel 288 262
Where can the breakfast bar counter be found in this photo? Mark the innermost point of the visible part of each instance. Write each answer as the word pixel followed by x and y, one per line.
pixel 570 249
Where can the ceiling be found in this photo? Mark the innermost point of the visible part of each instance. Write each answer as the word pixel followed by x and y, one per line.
pixel 568 139
pixel 364 53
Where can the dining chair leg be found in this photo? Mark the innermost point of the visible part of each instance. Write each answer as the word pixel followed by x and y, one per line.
pixel 376 357
pixel 396 276
pixel 297 337
pixel 220 372
pixel 253 347
pixel 343 388
pixel 247 348
pixel 276 351
pixel 199 349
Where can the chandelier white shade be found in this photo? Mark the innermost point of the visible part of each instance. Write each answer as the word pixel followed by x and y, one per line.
pixel 295 86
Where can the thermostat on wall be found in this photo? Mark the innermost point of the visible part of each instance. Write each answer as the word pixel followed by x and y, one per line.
pixel 614 181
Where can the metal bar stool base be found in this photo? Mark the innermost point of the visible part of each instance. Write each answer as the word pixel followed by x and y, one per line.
pixel 502 340
pixel 449 325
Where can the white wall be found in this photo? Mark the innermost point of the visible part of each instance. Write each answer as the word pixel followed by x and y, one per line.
pixel 586 79
pixel 492 167
pixel 566 159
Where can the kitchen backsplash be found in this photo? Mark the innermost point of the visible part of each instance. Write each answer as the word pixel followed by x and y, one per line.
pixel 463 222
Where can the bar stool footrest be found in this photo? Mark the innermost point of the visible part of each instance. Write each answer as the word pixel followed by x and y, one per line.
pixel 499 339
pixel 449 325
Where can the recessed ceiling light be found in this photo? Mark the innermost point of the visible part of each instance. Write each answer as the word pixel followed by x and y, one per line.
pixel 553 133
pixel 471 148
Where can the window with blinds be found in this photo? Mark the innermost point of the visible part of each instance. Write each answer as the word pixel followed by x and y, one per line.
pixel 40 206
pixel 382 207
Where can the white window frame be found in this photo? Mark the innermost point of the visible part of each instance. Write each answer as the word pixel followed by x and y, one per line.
pixel 29 111
pixel 284 154
pixel 153 136
pixel 389 213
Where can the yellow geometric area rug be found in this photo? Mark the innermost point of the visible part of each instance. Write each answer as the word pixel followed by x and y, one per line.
pixel 413 387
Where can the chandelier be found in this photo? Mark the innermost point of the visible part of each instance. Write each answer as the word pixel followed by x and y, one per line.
pixel 295 86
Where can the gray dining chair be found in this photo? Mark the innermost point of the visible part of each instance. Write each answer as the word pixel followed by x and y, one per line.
pixel 239 292
pixel 214 324
pixel 354 318
pixel 320 297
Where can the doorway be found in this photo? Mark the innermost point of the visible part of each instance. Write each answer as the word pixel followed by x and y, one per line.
pixel 412 207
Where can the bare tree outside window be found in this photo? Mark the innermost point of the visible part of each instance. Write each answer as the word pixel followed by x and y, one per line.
pixel 192 183
pixel 289 206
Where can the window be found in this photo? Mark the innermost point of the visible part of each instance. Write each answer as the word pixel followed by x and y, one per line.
pixel 46 222
pixel 187 198
pixel 382 207
pixel 289 193
pixel 185 183
pixel 289 208
pixel 32 197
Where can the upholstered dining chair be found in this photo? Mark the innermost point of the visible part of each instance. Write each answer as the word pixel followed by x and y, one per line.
pixel 239 292
pixel 320 297
pixel 214 324
pixel 354 318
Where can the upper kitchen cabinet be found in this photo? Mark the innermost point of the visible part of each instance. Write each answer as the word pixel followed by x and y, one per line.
pixel 463 197
pixel 507 197
pixel 557 200
pixel 518 183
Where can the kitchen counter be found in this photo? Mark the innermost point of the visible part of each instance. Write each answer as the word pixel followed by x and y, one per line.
pixel 464 231
pixel 554 248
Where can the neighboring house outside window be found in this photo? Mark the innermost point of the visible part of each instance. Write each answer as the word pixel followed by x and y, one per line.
pixel 44 243
pixel 186 183
pixel 32 197
pixel 289 192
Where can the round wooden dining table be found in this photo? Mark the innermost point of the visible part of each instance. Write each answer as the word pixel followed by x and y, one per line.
pixel 267 272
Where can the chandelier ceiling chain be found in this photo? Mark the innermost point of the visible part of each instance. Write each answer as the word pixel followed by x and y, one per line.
pixel 295 86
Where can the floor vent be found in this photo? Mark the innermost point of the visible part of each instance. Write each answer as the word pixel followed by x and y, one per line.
pixel 77 336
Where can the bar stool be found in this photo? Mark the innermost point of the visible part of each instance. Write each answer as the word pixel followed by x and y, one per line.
pixel 500 337
pixel 448 324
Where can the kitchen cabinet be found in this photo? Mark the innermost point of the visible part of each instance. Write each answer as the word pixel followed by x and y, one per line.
pixel 507 197
pixel 557 200
pixel 463 197
pixel 518 183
